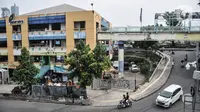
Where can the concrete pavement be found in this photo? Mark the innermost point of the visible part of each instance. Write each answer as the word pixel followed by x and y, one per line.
pixel 100 97
pixel 7 88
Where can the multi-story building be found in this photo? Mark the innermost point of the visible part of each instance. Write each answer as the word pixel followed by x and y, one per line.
pixel 49 34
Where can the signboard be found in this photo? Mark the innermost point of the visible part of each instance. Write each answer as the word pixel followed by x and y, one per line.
pixel 196 75
pixel 79 35
pixel 16 22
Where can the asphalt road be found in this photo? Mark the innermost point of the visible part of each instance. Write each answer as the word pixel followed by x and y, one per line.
pixel 178 75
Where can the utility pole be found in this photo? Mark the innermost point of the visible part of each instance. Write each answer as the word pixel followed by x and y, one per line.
pixel 196 80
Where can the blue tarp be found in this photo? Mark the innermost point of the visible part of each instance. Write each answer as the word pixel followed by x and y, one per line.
pixel 43 70
pixel 61 70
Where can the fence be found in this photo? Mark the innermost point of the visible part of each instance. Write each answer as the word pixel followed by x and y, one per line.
pixel 58 91
pixel 113 83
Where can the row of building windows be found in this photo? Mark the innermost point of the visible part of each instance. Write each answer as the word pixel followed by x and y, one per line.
pixel 44 27
pixel 53 59
pixel 41 43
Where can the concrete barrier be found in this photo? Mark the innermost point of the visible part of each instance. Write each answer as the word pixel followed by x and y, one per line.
pixel 178 49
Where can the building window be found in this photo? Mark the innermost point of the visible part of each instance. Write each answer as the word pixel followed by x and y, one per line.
pixel 16 28
pixel 39 43
pixel 3 29
pixel 16 58
pixel 59 59
pixel 56 26
pixel 3 43
pixel 37 58
pixel 57 43
pixel 38 27
pixel 97 26
pixel 17 44
pixel 3 58
pixel 79 25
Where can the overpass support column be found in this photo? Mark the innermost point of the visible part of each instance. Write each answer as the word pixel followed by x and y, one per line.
pixel 121 58
pixel 110 49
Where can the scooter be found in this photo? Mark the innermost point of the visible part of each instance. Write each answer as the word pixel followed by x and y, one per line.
pixel 186 58
pixel 124 105
pixel 172 64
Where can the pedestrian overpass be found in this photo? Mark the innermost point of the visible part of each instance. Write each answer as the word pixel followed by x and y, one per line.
pixel 121 34
pixel 151 33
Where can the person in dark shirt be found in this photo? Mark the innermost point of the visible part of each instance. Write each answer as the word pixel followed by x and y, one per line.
pixel 127 96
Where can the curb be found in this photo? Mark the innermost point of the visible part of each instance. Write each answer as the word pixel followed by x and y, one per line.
pixel 105 106
pixel 155 90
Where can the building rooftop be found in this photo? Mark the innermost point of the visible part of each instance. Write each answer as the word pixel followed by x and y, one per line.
pixel 56 9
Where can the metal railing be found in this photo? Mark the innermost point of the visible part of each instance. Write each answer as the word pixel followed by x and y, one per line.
pixel 154 29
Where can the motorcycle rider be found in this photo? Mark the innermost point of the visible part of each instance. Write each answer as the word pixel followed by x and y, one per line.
pixel 127 98
pixel 186 57
pixel 182 61
pixel 124 99
pixel 173 62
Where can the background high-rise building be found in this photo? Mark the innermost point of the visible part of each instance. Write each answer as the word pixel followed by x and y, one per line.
pixel 15 10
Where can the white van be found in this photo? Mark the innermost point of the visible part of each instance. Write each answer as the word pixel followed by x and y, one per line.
pixel 169 95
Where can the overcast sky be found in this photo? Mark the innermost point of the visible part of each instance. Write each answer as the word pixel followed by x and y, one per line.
pixel 118 12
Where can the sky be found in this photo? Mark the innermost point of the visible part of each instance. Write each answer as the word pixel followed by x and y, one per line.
pixel 118 12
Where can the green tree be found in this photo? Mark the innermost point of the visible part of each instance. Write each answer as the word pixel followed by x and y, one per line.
pixel 146 45
pixel 87 65
pixel 25 72
pixel 101 61
pixel 172 17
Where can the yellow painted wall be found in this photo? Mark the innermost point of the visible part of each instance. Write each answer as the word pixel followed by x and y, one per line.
pixel 9 41
pixel 88 17
pixel 24 30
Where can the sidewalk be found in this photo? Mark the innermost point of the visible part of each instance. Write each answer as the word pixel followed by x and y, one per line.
pixel 112 97
pixel 6 88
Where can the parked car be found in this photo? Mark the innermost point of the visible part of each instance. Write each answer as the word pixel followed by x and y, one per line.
pixel 169 96
pixel 134 68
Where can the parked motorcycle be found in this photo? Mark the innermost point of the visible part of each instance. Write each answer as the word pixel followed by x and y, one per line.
pixel 123 104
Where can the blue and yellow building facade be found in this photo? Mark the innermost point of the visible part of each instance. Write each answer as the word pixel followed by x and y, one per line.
pixel 49 34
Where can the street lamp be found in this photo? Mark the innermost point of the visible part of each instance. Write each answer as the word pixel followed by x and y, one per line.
pixel 92 5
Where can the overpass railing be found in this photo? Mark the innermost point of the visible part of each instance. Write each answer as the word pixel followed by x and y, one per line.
pixel 154 29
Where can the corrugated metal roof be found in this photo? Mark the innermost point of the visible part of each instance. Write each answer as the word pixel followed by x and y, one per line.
pixel 56 9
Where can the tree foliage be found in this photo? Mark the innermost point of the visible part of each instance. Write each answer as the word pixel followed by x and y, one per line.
pixel 87 65
pixel 147 45
pixel 173 18
pixel 25 72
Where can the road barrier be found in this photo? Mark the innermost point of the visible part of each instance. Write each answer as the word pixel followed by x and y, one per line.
pixel 178 49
